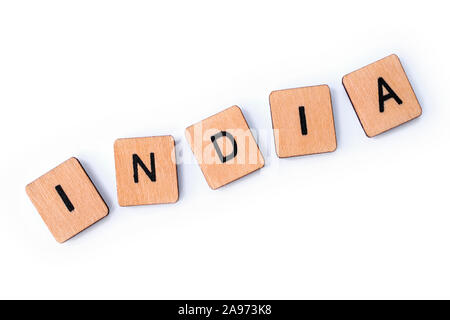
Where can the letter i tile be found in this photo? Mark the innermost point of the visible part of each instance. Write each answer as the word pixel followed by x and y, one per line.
pixel 302 120
pixel 67 200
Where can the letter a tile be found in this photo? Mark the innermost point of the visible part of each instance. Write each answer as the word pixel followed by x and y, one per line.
pixel 146 170
pixel 67 200
pixel 382 95
pixel 302 120
pixel 224 147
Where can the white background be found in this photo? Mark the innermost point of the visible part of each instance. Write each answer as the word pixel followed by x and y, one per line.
pixel 370 220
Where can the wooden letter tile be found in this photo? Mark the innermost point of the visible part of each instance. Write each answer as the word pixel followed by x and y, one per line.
pixel 67 200
pixel 302 120
pixel 146 170
pixel 382 95
pixel 224 147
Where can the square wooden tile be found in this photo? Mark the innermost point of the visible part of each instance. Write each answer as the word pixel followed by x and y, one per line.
pixel 146 170
pixel 67 200
pixel 224 147
pixel 302 120
pixel 382 95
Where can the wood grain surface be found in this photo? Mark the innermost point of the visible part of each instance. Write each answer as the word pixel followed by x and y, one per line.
pixel 247 159
pixel 316 134
pixel 362 89
pixel 87 205
pixel 165 187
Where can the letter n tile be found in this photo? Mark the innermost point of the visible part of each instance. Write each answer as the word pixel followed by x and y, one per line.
pixel 146 170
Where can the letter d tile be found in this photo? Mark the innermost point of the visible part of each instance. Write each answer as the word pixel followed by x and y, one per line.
pixel 224 147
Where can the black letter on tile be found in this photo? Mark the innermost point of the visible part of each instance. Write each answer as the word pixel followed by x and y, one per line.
pixel 382 98
pixel 137 161
pixel 303 126
pixel 64 198
pixel 216 146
